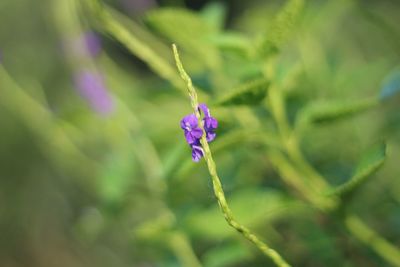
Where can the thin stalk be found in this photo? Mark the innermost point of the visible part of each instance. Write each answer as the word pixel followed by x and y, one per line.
pixel 183 250
pixel 372 239
pixel 218 190
pixel 108 21
pixel 354 224
pixel 290 142
pixel 50 132
pixel 292 177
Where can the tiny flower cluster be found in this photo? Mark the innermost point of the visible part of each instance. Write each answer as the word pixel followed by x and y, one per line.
pixel 193 131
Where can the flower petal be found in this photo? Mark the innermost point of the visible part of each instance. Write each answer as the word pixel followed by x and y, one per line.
pixel 188 122
pixel 197 153
pixel 210 123
pixel 197 132
pixel 193 132
pixel 205 109
pixel 192 120
pixel 210 136
pixel 190 138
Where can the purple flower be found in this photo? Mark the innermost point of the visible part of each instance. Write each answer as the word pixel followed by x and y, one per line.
pixel 193 132
pixel 203 107
pixel 92 43
pixel 91 86
pixel 86 45
pixel 210 123
pixel 197 151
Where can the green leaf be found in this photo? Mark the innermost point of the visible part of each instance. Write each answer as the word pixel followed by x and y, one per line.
pixel 138 41
pixel 320 112
pixel 281 28
pixel 370 162
pixel 187 29
pixel 250 93
pixel 116 176
pixel 214 14
pixel 232 42
pixel 178 24
pixel 251 207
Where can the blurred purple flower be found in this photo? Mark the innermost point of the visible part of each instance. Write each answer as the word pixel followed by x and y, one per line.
pixel 86 45
pixel 92 43
pixel 91 86
pixel 193 132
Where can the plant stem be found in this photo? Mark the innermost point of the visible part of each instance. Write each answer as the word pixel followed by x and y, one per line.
pixel 183 250
pixel 354 224
pixel 108 21
pixel 49 130
pixel 372 239
pixel 218 190
pixel 311 181
pixel 291 176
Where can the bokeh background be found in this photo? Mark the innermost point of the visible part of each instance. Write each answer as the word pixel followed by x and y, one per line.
pixel 94 168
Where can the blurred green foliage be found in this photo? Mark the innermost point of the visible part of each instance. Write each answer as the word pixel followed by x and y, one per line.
pixel 94 169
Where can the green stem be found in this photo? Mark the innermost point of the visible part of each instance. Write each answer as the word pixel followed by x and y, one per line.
pixel 293 178
pixel 140 49
pixel 310 177
pixel 183 250
pixel 314 177
pixel 278 111
pixel 50 131
pixel 356 226
pixel 135 39
pixel 372 239
pixel 218 191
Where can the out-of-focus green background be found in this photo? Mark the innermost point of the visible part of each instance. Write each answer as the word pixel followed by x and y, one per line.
pixel 94 168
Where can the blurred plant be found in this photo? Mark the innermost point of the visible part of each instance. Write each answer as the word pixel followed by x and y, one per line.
pixel 81 49
pixel 218 191
pixel 92 43
pixel 294 87
pixel 91 86
pixel 138 6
